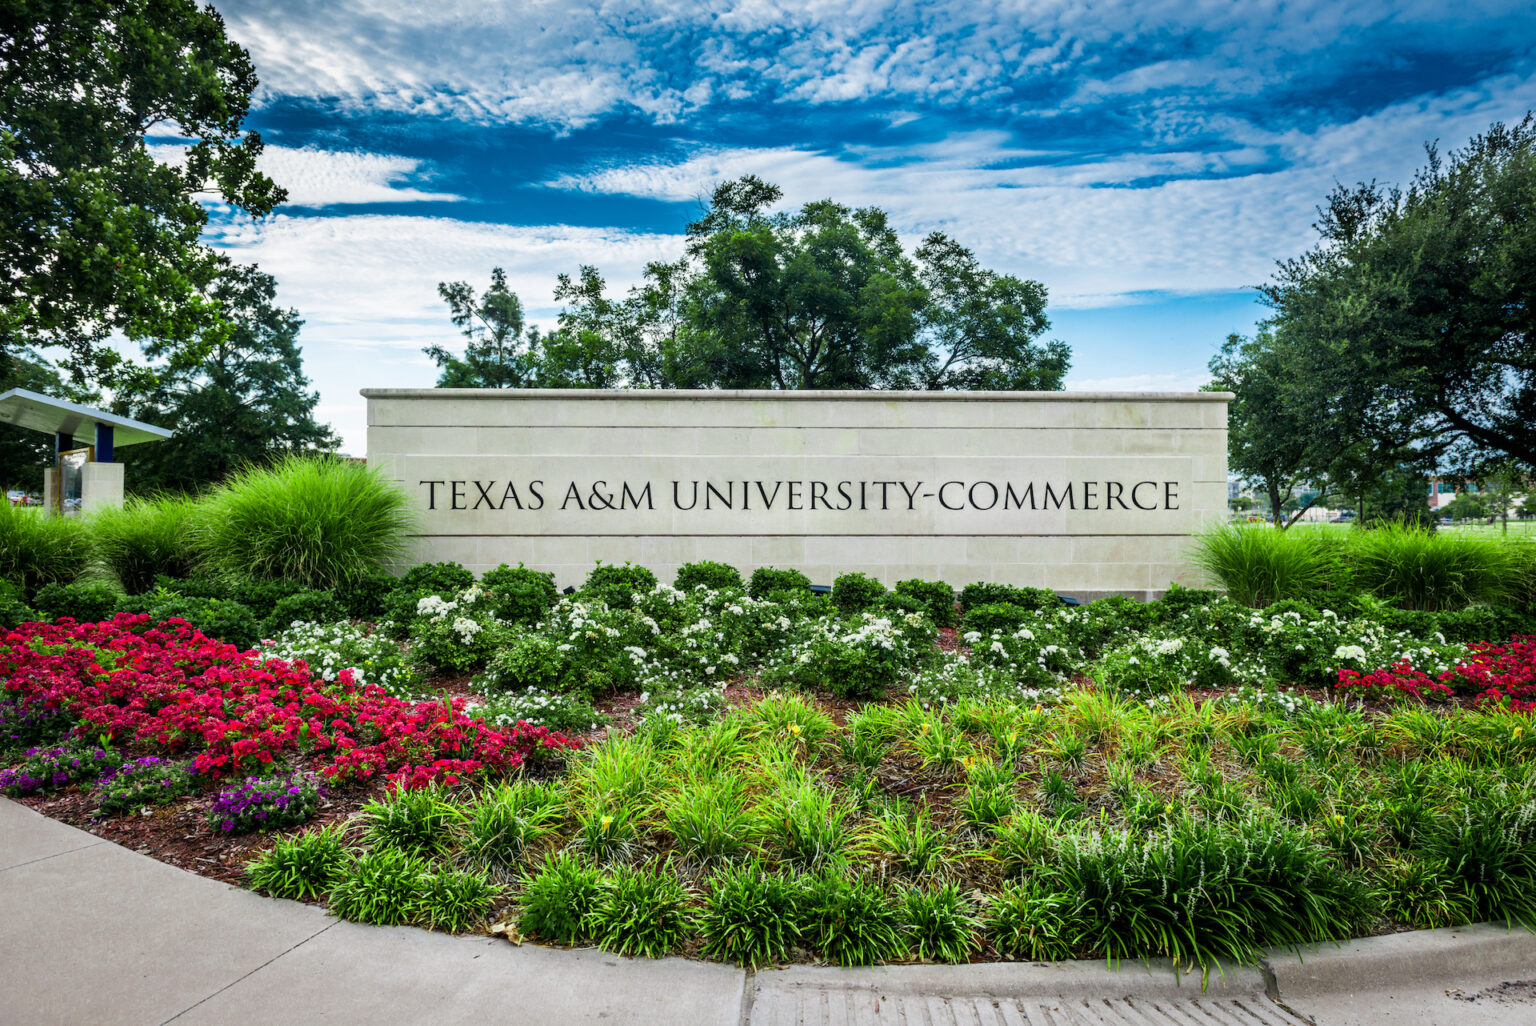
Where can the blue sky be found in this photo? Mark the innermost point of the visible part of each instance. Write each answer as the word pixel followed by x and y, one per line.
pixel 1148 162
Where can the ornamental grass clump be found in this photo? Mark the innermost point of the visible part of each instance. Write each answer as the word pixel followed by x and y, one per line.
pixel 640 912
pixel 941 924
pixel 422 821
pixel 316 521
pixel 38 549
pixel 809 825
pixel 382 887
pixel 303 867
pixel 1433 571
pixel 509 820
pixel 1258 565
pixel 851 920
pixel 454 900
pixel 710 819
pixel 147 538
pixel 264 803
pixel 750 916
pixel 558 900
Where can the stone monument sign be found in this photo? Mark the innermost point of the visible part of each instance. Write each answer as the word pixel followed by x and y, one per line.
pixel 1085 493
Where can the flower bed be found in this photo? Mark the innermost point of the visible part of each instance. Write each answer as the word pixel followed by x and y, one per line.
pixel 173 691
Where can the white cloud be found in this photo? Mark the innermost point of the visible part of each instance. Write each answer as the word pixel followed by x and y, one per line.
pixel 1170 381
pixel 321 178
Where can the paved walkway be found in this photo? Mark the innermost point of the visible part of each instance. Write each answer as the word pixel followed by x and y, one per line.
pixel 92 933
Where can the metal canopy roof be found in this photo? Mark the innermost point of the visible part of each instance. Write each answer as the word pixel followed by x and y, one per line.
pixel 38 412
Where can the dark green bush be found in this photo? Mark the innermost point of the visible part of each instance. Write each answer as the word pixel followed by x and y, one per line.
pixel 711 575
pixel 223 619
pixel 314 521
pixel 446 579
pixel 520 595
pixel 13 608
pixel 1179 599
pixel 986 593
pixel 364 596
pixel 855 592
pixel 85 601
pixel 307 606
pixel 641 912
pixel 38 549
pixel 936 598
pixel 996 616
pixel 851 921
pixel 454 900
pixel 262 596
pixel 896 604
pixel 147 538
pixel 941 924
pixel 617 585
pixel 1422 570
pixel 381 887
pixel 766 580
pixel 531 661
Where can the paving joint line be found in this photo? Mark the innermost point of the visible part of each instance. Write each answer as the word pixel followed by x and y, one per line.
pixel 45 858
pixel 748 983
pixel 1272 990
pixel 248 975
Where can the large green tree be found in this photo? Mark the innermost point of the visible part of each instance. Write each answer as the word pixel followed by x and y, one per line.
pixel 1415 310
pixel 244 400
pixel 96 234
pixel 497 355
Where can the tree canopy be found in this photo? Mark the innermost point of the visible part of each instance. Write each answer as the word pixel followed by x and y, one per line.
pixel 1413 315
pixel 244 400
pixel 97 234
pixel 820 297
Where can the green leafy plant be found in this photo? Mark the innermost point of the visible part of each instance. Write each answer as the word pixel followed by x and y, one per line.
pixel 518 594
pixel 1258 565
pixel 807 824
pixel 856 593
pixel 381 887
pixel 559 899
pixel 710 819
pixel 38 549
pixel 711 575
pixel 421 821
pixel 767 580
pixel 851 921
pixel 309 606
pixel 84 601
pixel 146 538
pixel 941 924
pixel 454 900
pixel 1028 920
pixel 303 867
pixel 935 598
pixel 750 916
pixel 640 911
pixel 1432 570
pixel 510 819
pixel 314 521
pixel 911 843
pixel 618 585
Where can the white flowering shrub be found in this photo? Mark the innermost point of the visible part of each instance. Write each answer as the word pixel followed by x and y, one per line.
pixel 328 649
pixel 566 713
pixel 1031 654
pixel 862 657
pixel 458 633
pixel 667 709
pixel 957 679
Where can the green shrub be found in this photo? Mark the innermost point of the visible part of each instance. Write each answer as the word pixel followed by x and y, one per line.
pixel 518 594
pixel 559 899
pixel 640 912
pixel 147 538
pixel 809 825
pixel 382 887
pixel 714 576
pixel 330 648
pixel 1430 571
pixel 13 607
pixel 855 592
pixel 851 921
pixel 38 549
pixel 564 713
pixel 910 843
pixel 446 579
pixel 84 601
pixel 303 867
pixel 453 900
pixel 1423 894
pixel 936 598
pixel 314 606
pixel 421 821
pixel 225 620
pixel 530 662
pixel 942 925
pixel 1257 564
pixel 995 616
pixel 364 596
pixel 1489 852
pixel 510 819
pixel 750 917
pixel 314 521
pixel 710 819
pixel 1028 920
pixel 618 585
pixel 766 580
pixel 986 593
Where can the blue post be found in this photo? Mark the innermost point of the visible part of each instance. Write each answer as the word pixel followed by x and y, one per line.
pixel 103 442
pixel 63 441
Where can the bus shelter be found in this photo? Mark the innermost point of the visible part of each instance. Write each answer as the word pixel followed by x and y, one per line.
pixel 84 475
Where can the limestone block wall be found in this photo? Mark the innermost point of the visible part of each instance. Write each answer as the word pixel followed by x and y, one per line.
pixel 1086 493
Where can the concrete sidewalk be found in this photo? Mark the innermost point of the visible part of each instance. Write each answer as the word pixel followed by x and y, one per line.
pixel 92 933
